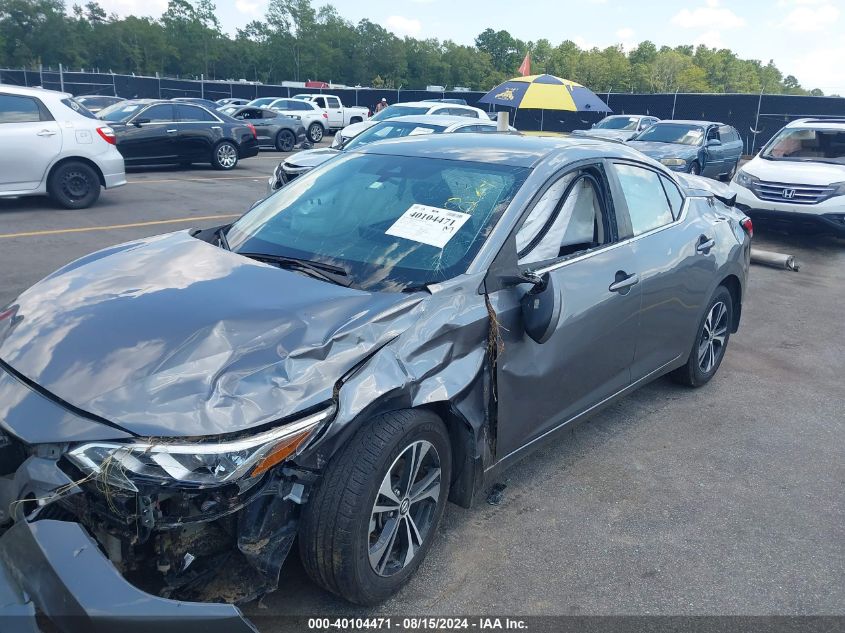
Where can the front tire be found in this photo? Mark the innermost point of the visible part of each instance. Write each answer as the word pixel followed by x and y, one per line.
pixel 285 141
pixel 373 516
pixel 711 341
pixel 224 156
pixel 315 133
pixel 74 185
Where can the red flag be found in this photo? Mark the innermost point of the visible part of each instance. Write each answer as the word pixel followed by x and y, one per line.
pixel 525 68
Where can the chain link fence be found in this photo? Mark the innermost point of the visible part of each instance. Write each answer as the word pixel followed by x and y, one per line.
pixel 757 117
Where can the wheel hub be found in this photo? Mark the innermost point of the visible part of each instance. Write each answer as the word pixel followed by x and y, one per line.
pixel 406 504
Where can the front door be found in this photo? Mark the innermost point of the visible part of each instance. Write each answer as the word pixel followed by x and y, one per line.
pixel 31 140
pixel 150 136
pixel 572 234
pixel 335 112
pixel 715 161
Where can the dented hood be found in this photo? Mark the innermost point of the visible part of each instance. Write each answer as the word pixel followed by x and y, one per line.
pixel 171 336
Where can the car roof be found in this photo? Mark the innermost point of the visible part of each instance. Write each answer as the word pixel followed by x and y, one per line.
pixel 836 122
pixel 690 122
pixel 501 149
pixel 439 119
pixel 432 104
pixel 33 92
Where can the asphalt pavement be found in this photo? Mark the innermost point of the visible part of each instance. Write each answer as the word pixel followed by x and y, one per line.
pixel 725 500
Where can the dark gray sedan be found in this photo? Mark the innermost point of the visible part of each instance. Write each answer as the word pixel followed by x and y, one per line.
pixel 385 333
pixel 273 130
pixel 695 147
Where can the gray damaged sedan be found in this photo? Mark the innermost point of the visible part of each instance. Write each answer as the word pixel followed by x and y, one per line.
pixel 381 336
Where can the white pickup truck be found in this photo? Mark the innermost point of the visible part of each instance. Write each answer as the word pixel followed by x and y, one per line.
pixel 339 116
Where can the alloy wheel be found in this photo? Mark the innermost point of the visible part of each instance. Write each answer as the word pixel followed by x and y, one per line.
pixel 404 509
pixel 316 133
pixel 711 344
pixel 227 156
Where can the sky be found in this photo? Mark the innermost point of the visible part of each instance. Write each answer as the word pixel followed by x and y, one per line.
pixel 805 38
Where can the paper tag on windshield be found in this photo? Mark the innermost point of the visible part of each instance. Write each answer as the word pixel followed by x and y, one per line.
pixel 428 225
pixel 420 130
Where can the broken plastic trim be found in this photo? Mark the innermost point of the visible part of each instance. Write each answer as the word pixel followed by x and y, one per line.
pixel 113 463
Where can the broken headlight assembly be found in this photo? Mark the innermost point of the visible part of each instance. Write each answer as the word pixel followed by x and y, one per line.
pixel 199 464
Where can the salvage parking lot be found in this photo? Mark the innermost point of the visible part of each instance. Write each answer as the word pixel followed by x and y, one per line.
pixel 724 500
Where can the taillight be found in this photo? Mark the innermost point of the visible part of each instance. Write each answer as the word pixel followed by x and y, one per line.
pixel 252 129
pixel 107 134
pixel 748 226
pixel 325 115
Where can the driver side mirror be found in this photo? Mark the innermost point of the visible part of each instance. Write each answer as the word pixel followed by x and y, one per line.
pixel 541 309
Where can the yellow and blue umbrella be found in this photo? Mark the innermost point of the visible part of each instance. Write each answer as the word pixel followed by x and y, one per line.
pixel 545 92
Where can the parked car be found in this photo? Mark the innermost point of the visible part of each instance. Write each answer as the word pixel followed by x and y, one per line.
pixel 337 114
pixel 399 127
pixel 408 109
pixel 696 147
pixel 232 101
pixel 206 103
pixel 95 103
pixel 273 130
pixel 153 132
pixel 314 119
pixel 619 127
pixel 53 145
pixel 454 101
pixel 262 102
pixel 388 332
pixel 798 178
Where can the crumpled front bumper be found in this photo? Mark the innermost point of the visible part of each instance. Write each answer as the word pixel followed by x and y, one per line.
pixel 56 568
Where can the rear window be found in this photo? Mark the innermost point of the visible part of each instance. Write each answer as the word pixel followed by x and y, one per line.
pixel 77 107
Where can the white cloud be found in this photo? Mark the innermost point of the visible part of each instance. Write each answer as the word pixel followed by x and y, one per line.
pixel 401 25
pixel 711 39
pixel 807 18
pixel 134 7
pixel 710 16
pixel 625 33
pixel 249 7
pixel 819 68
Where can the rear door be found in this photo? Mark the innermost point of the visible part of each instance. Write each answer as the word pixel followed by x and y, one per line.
pixel 571 233
pixel 29 139
pixel 732 144
pixel 150 135
pixel 673 259
pixel 197 134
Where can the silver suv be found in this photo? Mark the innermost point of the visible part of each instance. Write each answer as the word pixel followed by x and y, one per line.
pixel 52 145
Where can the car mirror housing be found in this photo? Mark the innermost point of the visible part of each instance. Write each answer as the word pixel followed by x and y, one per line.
pixel 541 309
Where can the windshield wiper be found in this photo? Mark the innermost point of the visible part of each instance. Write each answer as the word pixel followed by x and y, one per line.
pixel 327 272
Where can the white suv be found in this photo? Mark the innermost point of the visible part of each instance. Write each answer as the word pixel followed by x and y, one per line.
pixel 53 145
pixel 314 119
pixel 798 177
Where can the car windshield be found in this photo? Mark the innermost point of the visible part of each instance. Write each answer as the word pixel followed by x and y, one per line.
pixel 393 223
pixel 617 123
pixel 230 110
pixel 393 129
pixel 391 112
pixel 820 145
pixel 261 102
pixel 118 112
pixel 673 133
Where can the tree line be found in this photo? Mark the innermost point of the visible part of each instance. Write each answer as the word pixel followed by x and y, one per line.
pixel 297 41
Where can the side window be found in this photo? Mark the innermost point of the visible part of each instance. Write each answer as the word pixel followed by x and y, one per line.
pixel 334 102
pixel 712 133
pixel 321 102
pixel 571 217
pixel 189 113
pixel 162 113
pixel 464 112
pixel 648 206
pixel 676 200
pixel 15 109
pixel 468 128
pixel 442 111
pixel 726 133
pixel 269 114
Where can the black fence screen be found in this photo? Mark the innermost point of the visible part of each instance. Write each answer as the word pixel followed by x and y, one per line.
pixel 756 117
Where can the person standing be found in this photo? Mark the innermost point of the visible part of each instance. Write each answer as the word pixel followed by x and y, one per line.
pixel 381 105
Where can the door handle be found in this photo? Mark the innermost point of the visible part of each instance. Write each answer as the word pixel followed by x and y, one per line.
pixel 171 131
pixel 624 282
pixel 705 244
pixel 46 133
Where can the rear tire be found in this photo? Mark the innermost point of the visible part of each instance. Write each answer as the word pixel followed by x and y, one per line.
pixel 224 156
pixel 362 535
pixel 711 341
pixel 74 185
pixel 315 132
pixel 285 141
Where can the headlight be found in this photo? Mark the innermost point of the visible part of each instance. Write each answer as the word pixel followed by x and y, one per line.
pixel 199 464
pixel 673 162
pixel 744 179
